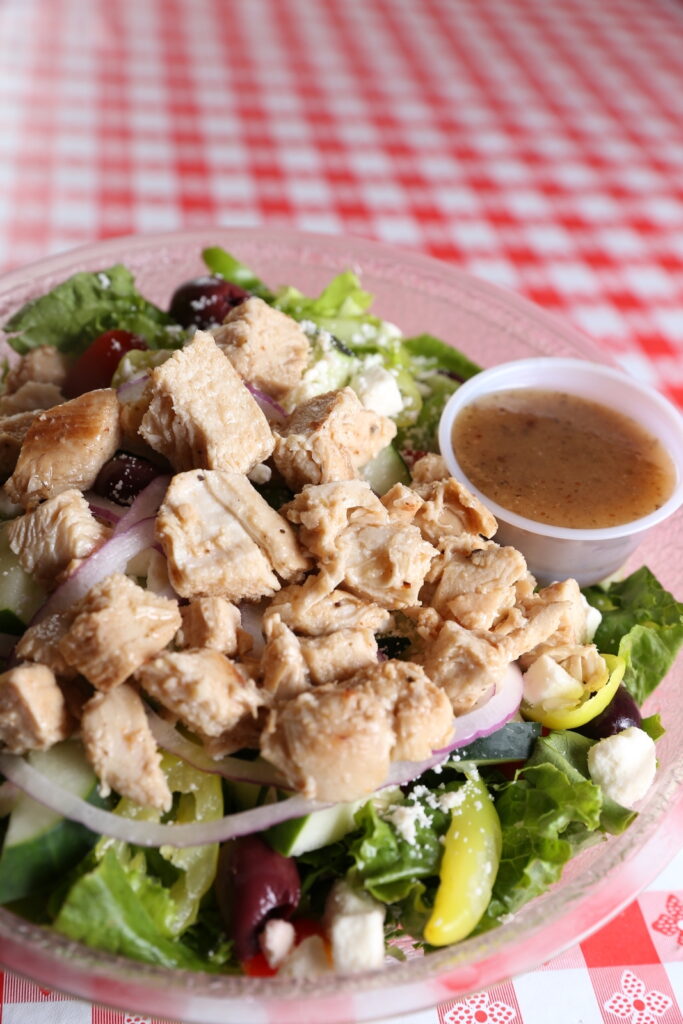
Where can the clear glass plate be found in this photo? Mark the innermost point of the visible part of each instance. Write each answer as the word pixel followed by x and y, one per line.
pixel 419 294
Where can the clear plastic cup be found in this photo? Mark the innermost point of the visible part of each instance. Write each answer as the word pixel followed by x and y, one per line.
pixel 555 552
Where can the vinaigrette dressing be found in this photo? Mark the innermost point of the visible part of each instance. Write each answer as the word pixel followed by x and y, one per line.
pixel 560 459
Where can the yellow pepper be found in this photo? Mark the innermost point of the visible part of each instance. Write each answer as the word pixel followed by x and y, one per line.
pixel 590 707
pixel 468 868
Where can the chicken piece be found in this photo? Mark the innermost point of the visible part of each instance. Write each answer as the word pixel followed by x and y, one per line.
pixel 313 610
pixel 385 564
pixel 265 346
pixel 66 447
pixel 465 663
pixel 324 511
pixel 209 622
pixel 338 655
pixel 572 625
pixel 117 626
pixel 423 717
pixel 335 742
pixel 450 510
pixel 30 397
pixel 49 538
pixel 429 468
pixel 476 588
pixel 119 745
pixel 401 503
pixel 331 743
pixel 41 643
pixel 222 538
pixel 329 438
pixel 45 365
pixel 13 430
pixel 32 710
pixel 201 415
pixel 245 735
pixel 283 668
pixel 206 690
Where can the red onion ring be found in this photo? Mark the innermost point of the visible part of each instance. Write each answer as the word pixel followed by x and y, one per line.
pixel 131 390
pixel 491 716
pixel 271 409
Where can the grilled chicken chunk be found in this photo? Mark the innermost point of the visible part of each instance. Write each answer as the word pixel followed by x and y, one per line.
pixel 66 447
pixel 210 622
pixel 336 742
pixel 119 745
pixel 207 691
pixel 13 431
pixel 117 626
pixel 32 709
pixel 221 538
pixel 45 365
pixel 51 537
pixel 33 395
pixel 266 347
pixel 201 415
pixel 328 438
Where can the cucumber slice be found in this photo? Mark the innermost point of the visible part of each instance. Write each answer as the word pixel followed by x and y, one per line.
pixel 301 835
pixel 40 845
pixel 513 742
pixel 385 470
pixel 19 593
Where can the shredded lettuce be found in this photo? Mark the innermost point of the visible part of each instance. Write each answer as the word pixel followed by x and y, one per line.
pixel 86 305
pixel 642 623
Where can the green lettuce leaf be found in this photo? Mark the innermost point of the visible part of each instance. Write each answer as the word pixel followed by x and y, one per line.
pixel 430 353
pixel 81 308
pixel 422 435
pixel 222 263
pixel 643 623
pixel 116 908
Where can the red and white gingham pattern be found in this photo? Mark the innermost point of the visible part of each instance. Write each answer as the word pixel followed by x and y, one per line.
pixel 537 144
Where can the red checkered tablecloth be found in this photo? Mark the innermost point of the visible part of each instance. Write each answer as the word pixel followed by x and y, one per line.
pixel 535 143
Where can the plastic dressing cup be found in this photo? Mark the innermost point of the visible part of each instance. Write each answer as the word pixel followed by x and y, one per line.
pixel 555 552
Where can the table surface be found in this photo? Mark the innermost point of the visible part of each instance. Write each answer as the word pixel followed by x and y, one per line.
pixel 538 145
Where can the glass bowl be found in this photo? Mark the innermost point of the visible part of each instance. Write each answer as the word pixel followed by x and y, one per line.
pixel 491 326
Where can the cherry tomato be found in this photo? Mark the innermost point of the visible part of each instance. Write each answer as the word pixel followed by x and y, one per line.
pixel 257 966
pixel 95 368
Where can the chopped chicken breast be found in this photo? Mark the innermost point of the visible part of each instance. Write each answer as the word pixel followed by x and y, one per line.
pixel 450 510
pixel 66 447
pixel 477 587
pixel 336 742
pixel 41 643
pixel 117 626
pixel 208 692
pixel 13 430
pixel 119 745
pixel 429 468
pixel 49 539
pixel 201 415
pixel 338 655
pixel 465 663
pixel 45 365
pixel 329 438
pixel 29 397
pixel 209 622
pixel 324 511
pixel 222 538
pixel 265 346
pixel 402 503
pixel 283 668
pixel 311 609
pixel 572 625
pixel 32 710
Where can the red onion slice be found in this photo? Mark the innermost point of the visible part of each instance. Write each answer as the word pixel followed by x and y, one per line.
pixel 131 390
pixel 489 717
pixel 145 505
pixel 271 409
pixel 260 773
pixel 145 833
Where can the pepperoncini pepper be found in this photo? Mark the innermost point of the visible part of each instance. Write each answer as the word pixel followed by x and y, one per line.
pixel 469 865
pixel 593 705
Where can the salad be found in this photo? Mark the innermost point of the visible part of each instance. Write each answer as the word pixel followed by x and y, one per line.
pixel 273 700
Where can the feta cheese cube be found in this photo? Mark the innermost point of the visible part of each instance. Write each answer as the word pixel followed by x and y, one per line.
pixel 624 765
pixel 355 929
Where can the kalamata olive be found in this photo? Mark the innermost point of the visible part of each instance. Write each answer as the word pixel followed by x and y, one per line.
pixel 205 301
pixel 123 477
pixel 253 884
pixel 621 713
